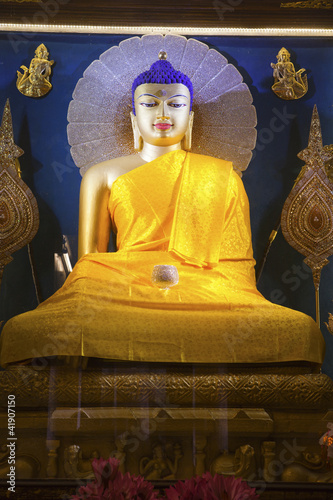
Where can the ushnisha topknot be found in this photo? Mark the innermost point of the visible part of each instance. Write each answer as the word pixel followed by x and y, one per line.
pixel 162 71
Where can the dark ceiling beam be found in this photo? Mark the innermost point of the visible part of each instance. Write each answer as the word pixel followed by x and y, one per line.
pixel 173 13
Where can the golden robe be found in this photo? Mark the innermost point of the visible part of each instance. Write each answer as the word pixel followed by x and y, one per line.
pixel 190 211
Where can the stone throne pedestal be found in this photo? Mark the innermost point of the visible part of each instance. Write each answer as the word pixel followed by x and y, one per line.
pixel 258 422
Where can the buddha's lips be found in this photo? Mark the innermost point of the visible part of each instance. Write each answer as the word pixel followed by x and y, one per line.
pixel 163 126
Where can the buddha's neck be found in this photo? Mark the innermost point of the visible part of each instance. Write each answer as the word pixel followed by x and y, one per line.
pixel 149 152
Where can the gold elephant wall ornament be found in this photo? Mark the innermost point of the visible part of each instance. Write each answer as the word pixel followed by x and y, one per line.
pixel 35 80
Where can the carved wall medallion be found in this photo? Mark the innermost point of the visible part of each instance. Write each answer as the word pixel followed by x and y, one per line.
pixel 19 218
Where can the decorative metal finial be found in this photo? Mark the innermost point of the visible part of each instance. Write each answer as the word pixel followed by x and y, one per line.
pixel 19 218
pixel 8 149
pixel 162 54
pixel 307 215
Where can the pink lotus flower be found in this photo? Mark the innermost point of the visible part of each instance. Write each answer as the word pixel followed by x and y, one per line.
pixel 111 484
pixel 105 470
pixel 207 487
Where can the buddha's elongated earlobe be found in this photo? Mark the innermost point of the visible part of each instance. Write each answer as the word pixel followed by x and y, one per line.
pixel 138 142
pixel 187 139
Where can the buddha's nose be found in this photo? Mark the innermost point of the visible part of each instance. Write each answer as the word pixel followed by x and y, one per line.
pixel 162 111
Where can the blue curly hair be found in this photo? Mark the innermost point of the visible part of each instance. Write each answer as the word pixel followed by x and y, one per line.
pixel 162 71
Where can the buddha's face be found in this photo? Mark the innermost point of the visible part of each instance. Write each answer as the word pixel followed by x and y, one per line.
pixel 162 112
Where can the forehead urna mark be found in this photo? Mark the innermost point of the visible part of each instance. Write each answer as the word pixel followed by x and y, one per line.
pixel 158 93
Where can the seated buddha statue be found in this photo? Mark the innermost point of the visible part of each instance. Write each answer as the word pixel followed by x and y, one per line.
pixel 181 285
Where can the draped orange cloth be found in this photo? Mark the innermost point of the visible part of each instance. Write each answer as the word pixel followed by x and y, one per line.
pixel 190 211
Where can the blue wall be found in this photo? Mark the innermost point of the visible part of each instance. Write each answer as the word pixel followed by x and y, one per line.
pixel 40 129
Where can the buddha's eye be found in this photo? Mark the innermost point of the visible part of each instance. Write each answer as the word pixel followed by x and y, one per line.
pixel 176 105
pixel 148 104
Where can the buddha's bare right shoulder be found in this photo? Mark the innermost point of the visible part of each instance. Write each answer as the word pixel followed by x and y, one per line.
pixel 106 172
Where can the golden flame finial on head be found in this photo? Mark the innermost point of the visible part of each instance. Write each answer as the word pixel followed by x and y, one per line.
pixel 42 52
pixel 283 51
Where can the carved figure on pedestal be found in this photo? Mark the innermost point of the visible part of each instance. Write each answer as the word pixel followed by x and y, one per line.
pixel 311 469
pixel 239 464
pixel 74 464
pixel 200 444
pixel 120 454
pixel 160 466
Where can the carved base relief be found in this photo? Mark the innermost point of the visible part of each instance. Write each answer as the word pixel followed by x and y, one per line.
pixel 173 440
